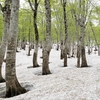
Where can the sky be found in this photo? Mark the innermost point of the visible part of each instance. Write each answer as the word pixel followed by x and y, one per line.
pixel 22 2
pixel 96 1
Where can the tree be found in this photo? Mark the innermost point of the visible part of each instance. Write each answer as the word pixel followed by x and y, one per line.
pixel 25 19
pixel 82 14
pixel 13 87
pixel 36 3
pixel 66 32
pixel 6 16
pixel 58 24
pixel 78 41
pixel 47 41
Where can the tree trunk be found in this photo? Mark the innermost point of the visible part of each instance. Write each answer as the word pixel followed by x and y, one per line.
pixel 61 44
pixel 32 45
pixel 89 51
pixel 78 39
pixel 98 50
pixel 13 87
pixel 61 47
pixel 35 64
pixel 29 49
pixel 83 54
pixel 84 62
pixel 23 45
pixel 78 55
pixel 69 48
pixel 73 49
pixel 36 3
pixel 1 78
pixel 66 34
pixel 45 68
pixel 47 42
pixel 6 15
pixel 65 57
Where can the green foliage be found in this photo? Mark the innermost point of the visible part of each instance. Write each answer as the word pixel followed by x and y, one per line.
pixel 97 33
pixel 57 26
pixel 25 24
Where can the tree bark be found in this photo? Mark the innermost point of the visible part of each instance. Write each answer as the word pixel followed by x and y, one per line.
pixel 82 23
pixel 13 87
pixel 66 34
pixel 78 55
pixel 6 15
pixel 45 68
pixel 98 50
pixel 35 54
pixel 62 49
pixel 35 64
pixel 1 78
pixel 78 39
pixel 47 43
pixel 23 44
pixel 65 57
pixel 89 50
pixel 83 54
pixel 29 49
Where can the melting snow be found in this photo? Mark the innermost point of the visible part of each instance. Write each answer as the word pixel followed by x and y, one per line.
pixel 65 83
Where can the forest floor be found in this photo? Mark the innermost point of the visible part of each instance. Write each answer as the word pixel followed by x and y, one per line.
pixel 65 83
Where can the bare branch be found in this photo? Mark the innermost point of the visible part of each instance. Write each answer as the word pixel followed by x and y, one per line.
pixel 75 17
pixel 94 34
pixel 89 16
pixel 31 5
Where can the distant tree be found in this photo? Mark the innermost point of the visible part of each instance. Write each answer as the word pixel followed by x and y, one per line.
pixel 82 13
pixel 82 24
pixel 29 49
pixel 34 9
pixel 58 25
pixel 66 32
pixel 13 87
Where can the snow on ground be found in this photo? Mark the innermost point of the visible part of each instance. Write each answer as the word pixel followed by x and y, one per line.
pixel 65 83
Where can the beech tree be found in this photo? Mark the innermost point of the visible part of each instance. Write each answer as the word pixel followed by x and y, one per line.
pixel 66 32
pixel 82 16
pixel 6 17
pixel 13 87
pixel 47 41
pixel 34 9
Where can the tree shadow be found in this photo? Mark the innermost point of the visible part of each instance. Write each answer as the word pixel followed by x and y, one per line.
pixel 34 67
pixel 27 85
